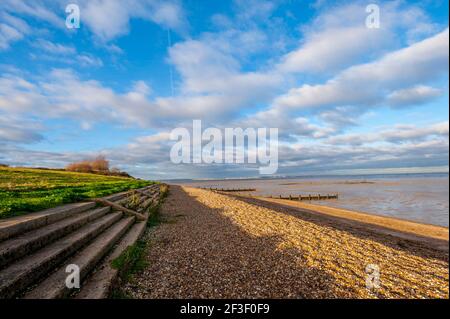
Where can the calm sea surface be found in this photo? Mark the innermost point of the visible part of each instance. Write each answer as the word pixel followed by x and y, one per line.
pixel 418 197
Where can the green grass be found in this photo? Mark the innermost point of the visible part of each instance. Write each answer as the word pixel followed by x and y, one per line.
pixel 131 260
pixel 24 190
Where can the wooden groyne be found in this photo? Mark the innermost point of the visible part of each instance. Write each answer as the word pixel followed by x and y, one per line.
pixel 230 189
pixel 308 197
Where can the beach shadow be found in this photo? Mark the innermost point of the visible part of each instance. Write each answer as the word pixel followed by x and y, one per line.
pixel 213 257
pixel 411 243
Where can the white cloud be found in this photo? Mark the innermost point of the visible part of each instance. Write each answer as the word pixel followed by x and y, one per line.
pixel 402 133
pixel 367 84
pixel 15 22
pixel 412 96
pixel 109 19
pixel 11 29
pixel 326 157
pixel 54 48
pixel 18 130
pixel 289 126
pixel 66 54
pixel 38 9
pixel 168 14
pixel 88 60
pixel 332 49
pixel 338 36
pixel 106 19
pixel 398 134
pixel 212 80
pixel 217 85
pixel 147 157
pixel 62 94
pixel 8 35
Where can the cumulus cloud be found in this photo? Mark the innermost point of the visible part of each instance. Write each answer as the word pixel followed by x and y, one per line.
pixel 219 83
pixel 338 36
pixel 147 157
pixel 290 127
pixel 367 84
pixel 106 19
pixel 213 66
pixel 213 85
pixel 325 157
pixel 63 94
pixel 109 19
pixel 17 130
pixel 397 135
pixel 60 94
pixel 404 133
pixel 335 39
pixel 331 49
pixel 412 96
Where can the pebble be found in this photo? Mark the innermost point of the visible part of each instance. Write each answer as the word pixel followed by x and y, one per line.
pixel 218 246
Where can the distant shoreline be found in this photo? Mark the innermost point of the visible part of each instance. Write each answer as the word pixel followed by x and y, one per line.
pixel 335 176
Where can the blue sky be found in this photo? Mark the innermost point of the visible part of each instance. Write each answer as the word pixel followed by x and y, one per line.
pixel 343 96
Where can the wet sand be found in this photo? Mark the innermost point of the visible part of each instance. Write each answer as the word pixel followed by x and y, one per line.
pixel 434 236
pixel 213 245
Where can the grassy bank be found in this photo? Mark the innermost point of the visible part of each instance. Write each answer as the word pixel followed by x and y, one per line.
pixel 24 190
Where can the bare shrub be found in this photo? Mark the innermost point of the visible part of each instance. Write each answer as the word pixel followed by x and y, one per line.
pixel 82 167
pixel 100 164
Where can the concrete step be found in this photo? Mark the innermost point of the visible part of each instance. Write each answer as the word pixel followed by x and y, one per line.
pixel 10 227
pixel 24 272
pixel 146 204
pixel 31 241
pixel 122 201
pixel 55 286
pixel 142 199
pixel 100 284
pixel 116 197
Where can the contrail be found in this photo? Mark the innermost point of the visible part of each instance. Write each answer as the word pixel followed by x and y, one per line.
pixel 169 40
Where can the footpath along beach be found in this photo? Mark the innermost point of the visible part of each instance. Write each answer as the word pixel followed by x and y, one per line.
pixel 212 245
